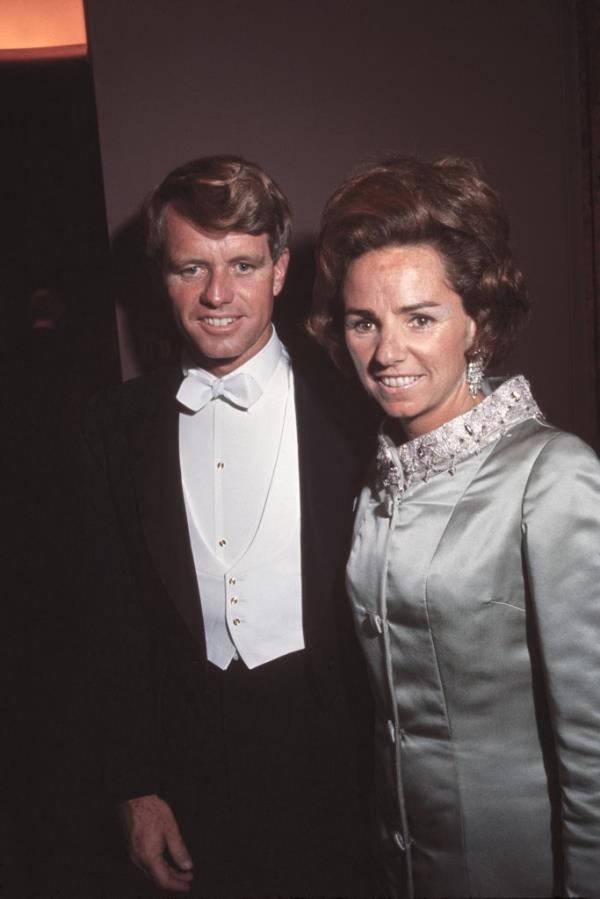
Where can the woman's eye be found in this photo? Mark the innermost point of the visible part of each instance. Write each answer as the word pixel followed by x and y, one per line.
pixel 362 325
pixel 421 321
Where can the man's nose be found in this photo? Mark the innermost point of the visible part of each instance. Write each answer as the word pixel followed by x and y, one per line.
pixel 217 289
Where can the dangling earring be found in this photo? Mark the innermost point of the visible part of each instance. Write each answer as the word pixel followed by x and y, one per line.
pixel 474 374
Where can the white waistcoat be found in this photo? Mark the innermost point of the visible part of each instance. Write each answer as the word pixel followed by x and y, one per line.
pixel 254 606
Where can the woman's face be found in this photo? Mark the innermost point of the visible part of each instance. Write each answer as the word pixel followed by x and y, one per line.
pixel 407 333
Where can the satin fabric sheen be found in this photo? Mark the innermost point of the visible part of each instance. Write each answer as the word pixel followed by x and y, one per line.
pixel 477 604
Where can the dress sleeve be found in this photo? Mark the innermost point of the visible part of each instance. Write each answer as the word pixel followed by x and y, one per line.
pixel 561 534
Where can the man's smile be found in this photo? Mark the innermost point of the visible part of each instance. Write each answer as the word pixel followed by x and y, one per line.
pixel 221 322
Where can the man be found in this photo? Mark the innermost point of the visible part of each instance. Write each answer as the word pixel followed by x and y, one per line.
pixel 219 504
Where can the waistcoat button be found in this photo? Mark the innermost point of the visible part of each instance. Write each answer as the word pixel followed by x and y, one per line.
pixel 392 731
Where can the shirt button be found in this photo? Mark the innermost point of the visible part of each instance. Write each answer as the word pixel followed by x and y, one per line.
pixel 232 580
pixel 222 542
pixel 220 465
pixel 401 842
pixel 236 621
pixel 234 600
pixel 378 624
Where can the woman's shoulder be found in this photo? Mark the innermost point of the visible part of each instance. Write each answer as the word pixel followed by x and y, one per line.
pixel 540 460
pixel 560 470
pixel 543 437
pixel 530 434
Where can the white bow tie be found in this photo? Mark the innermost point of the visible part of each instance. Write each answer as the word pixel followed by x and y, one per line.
pixel 198 388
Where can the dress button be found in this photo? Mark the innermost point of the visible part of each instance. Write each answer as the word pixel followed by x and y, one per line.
pixel 236 621
pixel 374 624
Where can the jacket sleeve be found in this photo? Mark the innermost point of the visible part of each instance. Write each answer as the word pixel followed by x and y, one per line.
pixel 561 534
pixel 120 650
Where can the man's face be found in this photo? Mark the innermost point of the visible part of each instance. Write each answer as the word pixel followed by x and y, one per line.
pixel 221 287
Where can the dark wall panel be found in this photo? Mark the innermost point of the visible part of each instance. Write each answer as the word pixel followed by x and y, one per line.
pixel 311 89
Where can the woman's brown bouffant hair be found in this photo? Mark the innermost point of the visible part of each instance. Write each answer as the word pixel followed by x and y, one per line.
pixel 445 204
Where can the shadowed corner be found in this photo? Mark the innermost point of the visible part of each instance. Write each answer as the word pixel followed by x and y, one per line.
pixel 150 329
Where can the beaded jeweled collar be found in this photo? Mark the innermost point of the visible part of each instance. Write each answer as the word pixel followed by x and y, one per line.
pixel 442 449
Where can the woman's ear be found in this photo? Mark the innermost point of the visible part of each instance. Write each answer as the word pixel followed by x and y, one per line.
pixel 471 336
pixel 478 343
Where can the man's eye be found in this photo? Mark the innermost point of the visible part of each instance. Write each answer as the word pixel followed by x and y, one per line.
pixel 189 271
pixel 244 267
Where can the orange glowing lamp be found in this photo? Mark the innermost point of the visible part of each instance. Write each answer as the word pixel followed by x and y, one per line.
pixel 37 29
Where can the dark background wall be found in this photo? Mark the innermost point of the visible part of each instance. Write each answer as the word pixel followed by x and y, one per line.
pixel 311 89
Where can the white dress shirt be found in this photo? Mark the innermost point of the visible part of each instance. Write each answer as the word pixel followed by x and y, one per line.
pixel 242 497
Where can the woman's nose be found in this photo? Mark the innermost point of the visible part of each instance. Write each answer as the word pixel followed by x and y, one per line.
pixel 391 348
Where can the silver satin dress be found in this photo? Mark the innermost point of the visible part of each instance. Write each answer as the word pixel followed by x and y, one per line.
pixel 475 582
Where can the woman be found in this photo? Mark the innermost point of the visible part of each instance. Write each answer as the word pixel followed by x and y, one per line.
pixel 475 566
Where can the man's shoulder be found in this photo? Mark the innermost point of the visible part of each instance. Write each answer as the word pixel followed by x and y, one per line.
pixel 137 394
pixel 122 414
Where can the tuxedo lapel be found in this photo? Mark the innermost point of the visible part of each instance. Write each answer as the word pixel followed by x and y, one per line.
pixel 162 511
pixel 327 481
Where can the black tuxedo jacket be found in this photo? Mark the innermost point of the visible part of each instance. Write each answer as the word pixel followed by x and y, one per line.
pixel 147 650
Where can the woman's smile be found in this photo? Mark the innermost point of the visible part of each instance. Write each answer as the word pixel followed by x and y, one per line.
pixel 407 333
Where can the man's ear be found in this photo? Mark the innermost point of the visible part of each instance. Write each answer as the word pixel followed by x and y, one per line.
pixel 280 268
